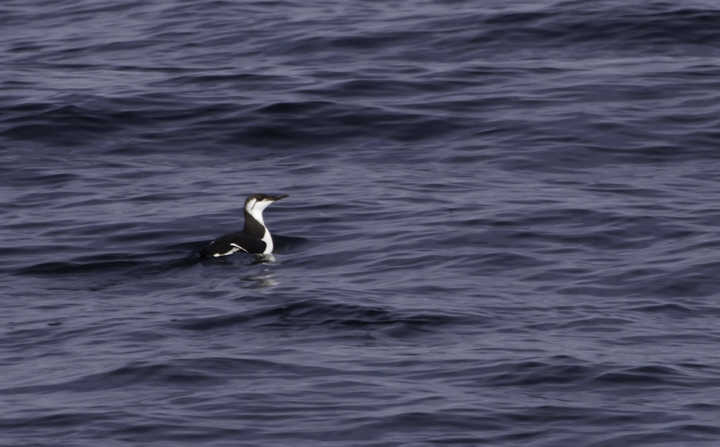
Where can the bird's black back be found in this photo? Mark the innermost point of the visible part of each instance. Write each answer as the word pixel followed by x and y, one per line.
pixel 222 245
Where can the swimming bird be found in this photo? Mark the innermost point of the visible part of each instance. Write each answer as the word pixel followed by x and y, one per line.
pixel 254 238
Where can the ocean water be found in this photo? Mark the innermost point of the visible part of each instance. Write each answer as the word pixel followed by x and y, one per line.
pixel 503 226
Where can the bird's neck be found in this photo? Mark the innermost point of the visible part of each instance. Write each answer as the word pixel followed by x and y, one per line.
pixel 254 225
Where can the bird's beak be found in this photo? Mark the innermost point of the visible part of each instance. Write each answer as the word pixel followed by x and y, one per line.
pixel 281 196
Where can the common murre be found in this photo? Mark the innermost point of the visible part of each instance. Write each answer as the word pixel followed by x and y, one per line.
pixel 254 238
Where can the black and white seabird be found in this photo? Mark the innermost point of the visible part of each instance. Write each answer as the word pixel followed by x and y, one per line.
pixel 254 238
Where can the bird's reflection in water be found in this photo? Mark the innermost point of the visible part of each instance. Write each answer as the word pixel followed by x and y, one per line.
pixel 260 281
pixel 263 279
pixel 258 269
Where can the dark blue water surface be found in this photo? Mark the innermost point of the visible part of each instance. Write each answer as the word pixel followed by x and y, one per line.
pixel 503 226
